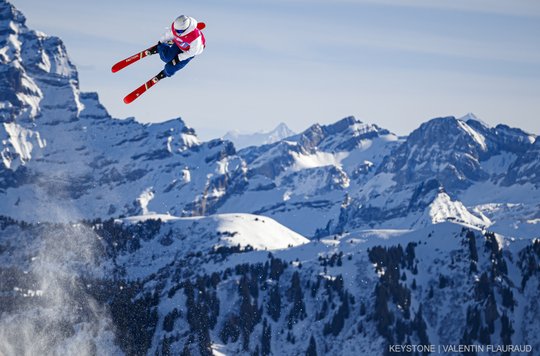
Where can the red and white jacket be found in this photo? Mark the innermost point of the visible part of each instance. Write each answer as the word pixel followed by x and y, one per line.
pixel 192 41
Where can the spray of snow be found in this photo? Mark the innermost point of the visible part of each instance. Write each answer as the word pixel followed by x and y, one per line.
pixel 144 199
pixel 60 317
pixel 59 305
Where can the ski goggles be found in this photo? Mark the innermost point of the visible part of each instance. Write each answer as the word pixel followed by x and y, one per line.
pixel 175 32
pixel 179 32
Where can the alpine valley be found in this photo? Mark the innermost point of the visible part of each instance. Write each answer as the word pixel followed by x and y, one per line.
pixel 124 238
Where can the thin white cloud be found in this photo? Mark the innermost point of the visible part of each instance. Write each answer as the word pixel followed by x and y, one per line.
pixel 528 8
pixel 254 61
pixel 298 41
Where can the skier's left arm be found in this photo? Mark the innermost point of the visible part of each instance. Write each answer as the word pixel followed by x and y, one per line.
pixel 196 48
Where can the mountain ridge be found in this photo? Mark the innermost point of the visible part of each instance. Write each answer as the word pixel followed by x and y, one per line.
pixel 243 140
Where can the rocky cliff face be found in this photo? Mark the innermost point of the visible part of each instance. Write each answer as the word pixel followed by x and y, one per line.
pixel 452 150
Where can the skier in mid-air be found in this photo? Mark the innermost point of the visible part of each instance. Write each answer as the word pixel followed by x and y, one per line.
pixel 179 45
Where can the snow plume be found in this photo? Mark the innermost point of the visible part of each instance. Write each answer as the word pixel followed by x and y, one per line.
pixel 144 200
pixel 51 312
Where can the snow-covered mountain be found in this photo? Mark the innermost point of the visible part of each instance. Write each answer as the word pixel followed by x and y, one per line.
pixel 63 153
pixel 303 180
pixel 243 140
pixel 60 147
pixel 118 237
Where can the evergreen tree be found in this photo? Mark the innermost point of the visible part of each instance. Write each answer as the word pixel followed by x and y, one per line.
pixel 484 337
pixel 410 254
pixel 266 338
pixel 186 350
pixel 168 321
pixel 362 309
pixel 298 311
pixel 473 322
pixel 383 317
pixel 506 330
pixel 490 312
pixel 312 348
pixel 165 347
pixel 338 320
pixel 473 252
pixel 508 298
pixel 276 268
pixel 249 313
pixel 231 329
pixel 421 327
pixel 274 303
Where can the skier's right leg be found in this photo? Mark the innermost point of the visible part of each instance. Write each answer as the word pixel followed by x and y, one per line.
pixel 174 66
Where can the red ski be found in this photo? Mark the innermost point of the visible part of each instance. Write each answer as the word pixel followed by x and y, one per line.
pixel 143 88
pixel 136 57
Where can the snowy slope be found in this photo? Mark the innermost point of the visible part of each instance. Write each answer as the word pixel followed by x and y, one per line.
pixel 178 287
pixel 259 232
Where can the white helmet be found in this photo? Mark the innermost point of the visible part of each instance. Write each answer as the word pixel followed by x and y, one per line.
pixel 181 24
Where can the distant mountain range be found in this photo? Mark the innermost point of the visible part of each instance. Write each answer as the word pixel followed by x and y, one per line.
pixel 118 237
pixel 259 138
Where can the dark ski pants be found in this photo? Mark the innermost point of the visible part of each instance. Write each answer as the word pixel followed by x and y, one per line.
pixel 169 54
pixel 175 65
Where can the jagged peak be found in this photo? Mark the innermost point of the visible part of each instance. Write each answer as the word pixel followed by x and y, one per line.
pixel 443 129
pixel 343 123
pixel 282 126
pixel 474 121
pixel 342 135
pixel 175 123
pixel 34 60
pixel 8 12
pixel 438 121
pixel 354 127
pixel 347 123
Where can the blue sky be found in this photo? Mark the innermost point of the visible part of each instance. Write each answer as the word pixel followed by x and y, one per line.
pixel 395 63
